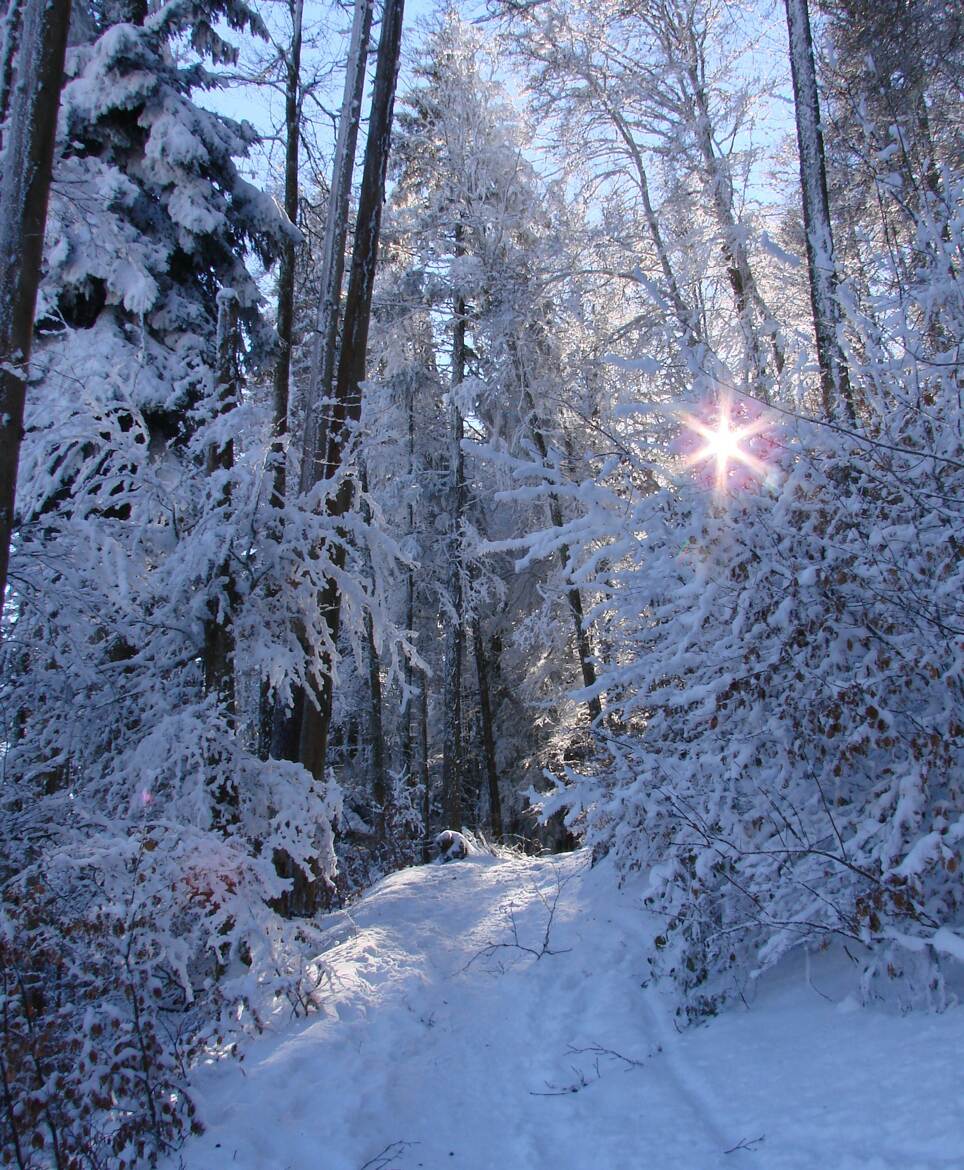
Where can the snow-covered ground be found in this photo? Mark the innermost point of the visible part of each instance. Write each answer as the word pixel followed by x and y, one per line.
pixel 489 1015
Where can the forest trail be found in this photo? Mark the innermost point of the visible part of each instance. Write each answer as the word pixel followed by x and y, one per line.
pixel 489 1014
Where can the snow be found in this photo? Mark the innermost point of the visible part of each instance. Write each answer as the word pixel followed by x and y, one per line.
pixel 497 1013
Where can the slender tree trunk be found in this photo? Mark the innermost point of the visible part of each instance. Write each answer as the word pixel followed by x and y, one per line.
pixel 584 650
pixel 218 654
pixel 314 463
pixel 425 771
pixel 376 731
pixel 347 397
pixel 219 641
pixel 452 749
pixel 488 736
pixel 286 270
pixel 408 731
pixel 9 44
pixel 287 726
pixel 834 376
pixel 381 793
pixel 686 319
pixel 746 294
pixel 24 192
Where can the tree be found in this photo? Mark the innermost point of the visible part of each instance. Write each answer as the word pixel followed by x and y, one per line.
pixel 287 721
pixel 138 824
pixel 834 376
pixel 472 242
pixel 347 393
pixel 28 158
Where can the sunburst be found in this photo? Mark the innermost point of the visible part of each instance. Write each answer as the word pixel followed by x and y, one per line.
pixel 724 444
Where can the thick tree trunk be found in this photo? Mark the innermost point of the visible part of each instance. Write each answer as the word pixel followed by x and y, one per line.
pixel 27 165
pixel 834 376
pixel 347 396
pixel 488 735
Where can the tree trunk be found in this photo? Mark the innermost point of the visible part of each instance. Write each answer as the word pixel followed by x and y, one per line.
pixel 408 730
pixel 687 320
pixel 746 294
pixel 347 396
pixel 376 733
pixel 834 376
pixel 9 44
pixel 286 270
pixel 314 460
pixel 425 772
pixel 286 726
pixel 488 736
pixel 381 793
pixel 452 749
pixel 584 651
pixel 219 641
pixel 28 162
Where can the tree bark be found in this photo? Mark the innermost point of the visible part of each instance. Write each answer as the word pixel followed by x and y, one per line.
pixel 287 726
pixel 425 772
pixel 584 650
pixel 488 735
pixel 834 376
pixel 219 640
pixel 408 730
pixel 286 269
pixel 381 792
pixel 314 460
pixel 27 165
pixel 347 396
pixel 9 44
pixel 452 747
pixel 746 293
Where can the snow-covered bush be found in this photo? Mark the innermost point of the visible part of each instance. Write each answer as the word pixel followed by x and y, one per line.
pixel 785 670
pixel 140 834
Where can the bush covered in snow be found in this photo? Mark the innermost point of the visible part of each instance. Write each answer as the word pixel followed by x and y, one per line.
pixel 785 743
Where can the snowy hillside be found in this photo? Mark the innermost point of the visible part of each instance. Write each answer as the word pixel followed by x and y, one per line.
pixel 492 1015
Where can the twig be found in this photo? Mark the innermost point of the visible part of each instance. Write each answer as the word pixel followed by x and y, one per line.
pixel 745 1144
pixel 598 1050
pixel 550 903
pixel 380 1161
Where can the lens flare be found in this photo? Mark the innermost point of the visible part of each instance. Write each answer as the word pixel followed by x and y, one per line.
pixel 725 444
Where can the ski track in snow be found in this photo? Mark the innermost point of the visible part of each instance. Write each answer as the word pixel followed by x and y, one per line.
pixel 443 1044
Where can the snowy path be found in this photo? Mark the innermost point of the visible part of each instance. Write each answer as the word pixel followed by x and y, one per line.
pixel 446 1045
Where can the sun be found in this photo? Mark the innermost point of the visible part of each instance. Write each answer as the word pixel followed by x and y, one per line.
pixel 724 444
